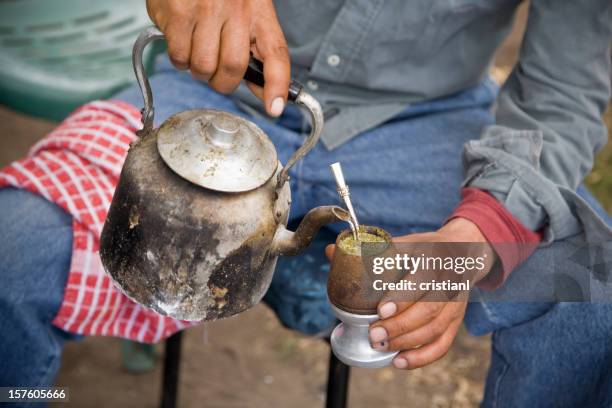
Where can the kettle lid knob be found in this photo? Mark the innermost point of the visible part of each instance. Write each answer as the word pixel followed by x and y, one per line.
pixel 223 129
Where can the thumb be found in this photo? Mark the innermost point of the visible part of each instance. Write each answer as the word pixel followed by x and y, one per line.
pixel 329 251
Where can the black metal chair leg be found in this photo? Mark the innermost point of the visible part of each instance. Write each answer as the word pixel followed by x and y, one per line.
pixel 337 383
pixel 170 379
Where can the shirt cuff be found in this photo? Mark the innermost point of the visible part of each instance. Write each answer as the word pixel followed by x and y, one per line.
pixel 512 241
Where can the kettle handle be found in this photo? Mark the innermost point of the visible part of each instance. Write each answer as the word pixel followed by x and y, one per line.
pixel 254 74
pixel 149 34
pixel 297 95
pixel 313 107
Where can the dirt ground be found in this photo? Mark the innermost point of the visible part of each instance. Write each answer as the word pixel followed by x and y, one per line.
pixel 250 360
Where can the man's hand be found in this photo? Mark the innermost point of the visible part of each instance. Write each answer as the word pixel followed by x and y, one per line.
pixel 213 39
pixel 424 330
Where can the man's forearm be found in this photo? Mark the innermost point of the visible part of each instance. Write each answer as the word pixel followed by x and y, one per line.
pixel 548 116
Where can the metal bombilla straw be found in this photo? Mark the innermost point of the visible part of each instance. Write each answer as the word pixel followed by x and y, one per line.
pixel 344 193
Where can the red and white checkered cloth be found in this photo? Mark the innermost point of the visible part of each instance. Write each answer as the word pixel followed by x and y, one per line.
pixel 77 166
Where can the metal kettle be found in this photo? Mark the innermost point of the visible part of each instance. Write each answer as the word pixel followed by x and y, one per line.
pixel 199 216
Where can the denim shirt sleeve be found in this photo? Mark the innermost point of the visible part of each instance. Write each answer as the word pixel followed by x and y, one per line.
pixel 548 117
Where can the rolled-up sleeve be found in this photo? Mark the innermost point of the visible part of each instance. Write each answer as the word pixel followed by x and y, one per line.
pixel 548 116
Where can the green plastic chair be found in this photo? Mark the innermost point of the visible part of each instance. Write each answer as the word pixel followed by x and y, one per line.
pixel 58 54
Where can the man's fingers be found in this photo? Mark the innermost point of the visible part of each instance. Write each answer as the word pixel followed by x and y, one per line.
pixel 429 353
pixel 257 90
pixel 205 48
pixel 410 319
pixel 213 40
pixel 389 307
pixel 393 304
pixel 271 45
pixel 178 36
pixel 233 56
pixel 426 334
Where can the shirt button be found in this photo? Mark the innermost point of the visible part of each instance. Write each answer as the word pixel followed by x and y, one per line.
pixel 333 60
pixel 312 85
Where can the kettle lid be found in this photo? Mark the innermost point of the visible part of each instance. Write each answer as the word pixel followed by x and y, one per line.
pixel 217 150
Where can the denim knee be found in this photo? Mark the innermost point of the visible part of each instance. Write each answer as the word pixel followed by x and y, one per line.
pixel 35 254
pixel 559 359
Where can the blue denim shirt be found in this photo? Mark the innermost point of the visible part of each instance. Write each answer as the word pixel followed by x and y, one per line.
pixel 366 60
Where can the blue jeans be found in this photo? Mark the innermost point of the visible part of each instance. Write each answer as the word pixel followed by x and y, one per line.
pixel 35 252
pixel 405 176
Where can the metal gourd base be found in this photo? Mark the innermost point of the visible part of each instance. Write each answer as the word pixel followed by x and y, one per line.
pixel 337 378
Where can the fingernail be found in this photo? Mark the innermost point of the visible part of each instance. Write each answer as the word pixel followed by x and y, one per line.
pixel 278 104
pixel 380 346
pixel 378 334
pixel 387 310
pixel 400 363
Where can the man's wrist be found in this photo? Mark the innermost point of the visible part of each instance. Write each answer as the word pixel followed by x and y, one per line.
pixel 463 230
pixel 511 241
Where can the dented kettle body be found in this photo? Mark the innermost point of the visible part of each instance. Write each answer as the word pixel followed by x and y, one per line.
pixel 184 250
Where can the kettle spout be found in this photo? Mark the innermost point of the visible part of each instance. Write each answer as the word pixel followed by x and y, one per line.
pixel 292 243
